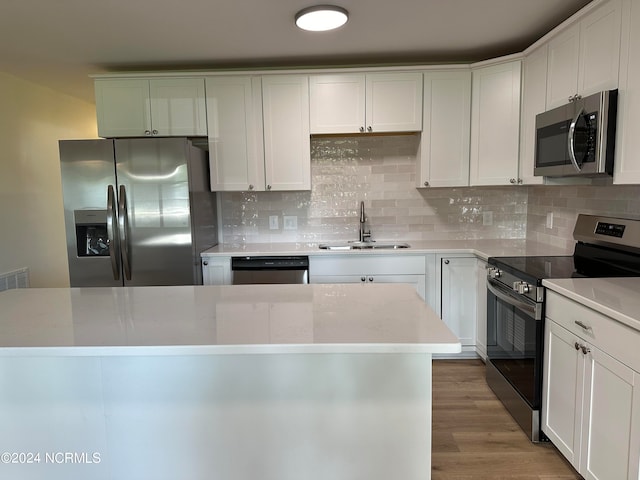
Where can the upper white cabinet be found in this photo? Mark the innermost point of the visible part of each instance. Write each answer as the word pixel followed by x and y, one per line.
pixel 236 152
pixel 446 125
pixel 150 107
pixel 495 124
pixel 534 93
pixel 627 161
pixel 585 58
pixel 259 133
pixel 287 146
pixel 358 103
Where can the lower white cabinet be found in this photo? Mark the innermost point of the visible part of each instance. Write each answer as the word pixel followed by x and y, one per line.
pixel 457 293
pixel 362 268
pixel 481 308
pixel 591 390
pixel 216 270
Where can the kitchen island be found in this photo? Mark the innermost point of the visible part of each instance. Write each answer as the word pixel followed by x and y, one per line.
pixel 235 382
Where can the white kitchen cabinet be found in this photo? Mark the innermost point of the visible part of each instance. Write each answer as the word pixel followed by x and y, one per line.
pixel 444 145
pixel 495 124
pixel 585 57
pixel 216 270
pixel 362 268
pixel 591 390
pixel 458 290
pixel 236 151
pixel 358 103
pixel 259 133
pixel 534 97
pixel 481 308
pixel 287 145
pixel 151 107
pixel 627 161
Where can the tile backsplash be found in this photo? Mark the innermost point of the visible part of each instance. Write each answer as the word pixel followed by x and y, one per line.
pixel 567 201
pixel 381 171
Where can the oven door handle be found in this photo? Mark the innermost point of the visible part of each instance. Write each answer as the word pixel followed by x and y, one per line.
pixel 503 294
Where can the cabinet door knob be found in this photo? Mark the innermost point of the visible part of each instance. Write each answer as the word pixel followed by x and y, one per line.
pixel 577 346
pixel 370 128
pixel 361 129
pixel 585 350
pixel 155 132
pixel 371 279
pixel 512 181
pixel 446 262
pixel 363 279
pixel 268 187
pixel 426 184
pixel 147 132
pixel 250 187
pixel 205 263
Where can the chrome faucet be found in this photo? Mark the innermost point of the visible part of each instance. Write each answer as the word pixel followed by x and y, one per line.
pixel 364 235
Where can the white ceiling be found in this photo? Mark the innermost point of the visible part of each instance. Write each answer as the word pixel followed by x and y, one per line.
pixel 60 42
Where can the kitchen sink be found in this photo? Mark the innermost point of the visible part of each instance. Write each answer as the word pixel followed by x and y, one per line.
pixel 355 245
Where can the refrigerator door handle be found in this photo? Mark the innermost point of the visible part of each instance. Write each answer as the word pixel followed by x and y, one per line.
pixel 123 222
pixel 112 233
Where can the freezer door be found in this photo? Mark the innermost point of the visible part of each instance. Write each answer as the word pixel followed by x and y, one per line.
pixel 154 211
pixel 88 170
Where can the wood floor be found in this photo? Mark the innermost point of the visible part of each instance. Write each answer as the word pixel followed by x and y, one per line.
pixel 475 438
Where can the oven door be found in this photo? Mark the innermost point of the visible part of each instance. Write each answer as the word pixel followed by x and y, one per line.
pixel 515 340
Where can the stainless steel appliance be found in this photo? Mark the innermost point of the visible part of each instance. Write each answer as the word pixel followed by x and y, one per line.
pixel 605 247
pixel 137 211
pixel 577 138
pixel 270 269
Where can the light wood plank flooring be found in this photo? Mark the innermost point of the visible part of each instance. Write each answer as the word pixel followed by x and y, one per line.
pixel 475 438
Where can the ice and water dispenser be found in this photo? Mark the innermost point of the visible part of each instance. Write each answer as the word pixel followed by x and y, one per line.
pixel 91 233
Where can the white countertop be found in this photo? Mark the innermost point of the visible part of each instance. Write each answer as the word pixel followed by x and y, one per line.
pixel 618 298
pixel 236 319
pixel 481 248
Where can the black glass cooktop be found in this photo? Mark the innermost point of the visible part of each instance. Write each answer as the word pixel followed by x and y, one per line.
pixel 587 261
pixel 537 268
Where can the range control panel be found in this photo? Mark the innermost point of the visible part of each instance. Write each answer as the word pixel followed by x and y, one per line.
pixel 610 229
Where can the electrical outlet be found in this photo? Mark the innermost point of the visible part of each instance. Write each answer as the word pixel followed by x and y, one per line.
pixel 290 222
pixel 273 222
pixel 549 223
pixel 487 218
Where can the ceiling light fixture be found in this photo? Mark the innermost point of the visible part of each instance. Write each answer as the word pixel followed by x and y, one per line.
pixel 321 18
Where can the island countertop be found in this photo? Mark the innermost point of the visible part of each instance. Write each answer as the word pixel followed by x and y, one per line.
pixel 192 320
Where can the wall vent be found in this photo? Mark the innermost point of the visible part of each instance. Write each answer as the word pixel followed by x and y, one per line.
pixel 14 279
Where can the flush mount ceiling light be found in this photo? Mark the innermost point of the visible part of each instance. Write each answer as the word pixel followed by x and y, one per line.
pixel 321 18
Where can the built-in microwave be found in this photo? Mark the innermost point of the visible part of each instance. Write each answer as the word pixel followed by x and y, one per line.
pixel 577 138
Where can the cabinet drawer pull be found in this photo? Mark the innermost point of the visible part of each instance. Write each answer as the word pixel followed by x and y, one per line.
pixel 582 325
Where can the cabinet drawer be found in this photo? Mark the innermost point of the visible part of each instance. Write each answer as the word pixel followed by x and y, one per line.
pixel 605 333
pixel 357 264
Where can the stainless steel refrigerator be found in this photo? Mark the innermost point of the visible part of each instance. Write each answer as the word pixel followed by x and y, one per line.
pixel 137 211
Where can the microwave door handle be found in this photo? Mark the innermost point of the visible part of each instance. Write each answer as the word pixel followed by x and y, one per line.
pixel 112 232
pixel 572 141
pixel 495 289
pixel 123 221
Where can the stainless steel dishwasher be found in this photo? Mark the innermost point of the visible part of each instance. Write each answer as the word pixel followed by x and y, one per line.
pixel 269 269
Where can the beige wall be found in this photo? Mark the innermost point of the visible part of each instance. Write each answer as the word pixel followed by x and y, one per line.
pixel 32 120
